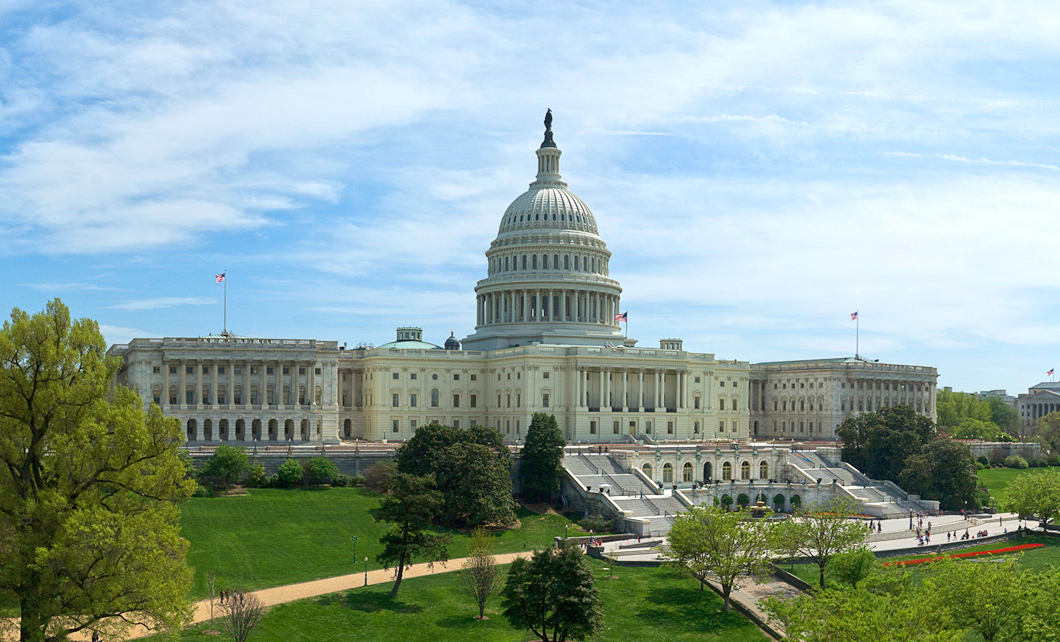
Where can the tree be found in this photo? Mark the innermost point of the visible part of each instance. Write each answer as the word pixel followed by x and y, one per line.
pixel 240 613
pixel 713 542
pixel 225 467
pixel 852 566
pixel 88 487
pixel 1034 494
pixel 480 575
pixel 878 443
pixel 472 469
pixel 978 429
pixel 984 597
pixel 1047 432
pixel 824 531
pixel 553 595
pixel 953 407
pixel 943 471
pixel 541 459
pixel 290 473
pixel 320 470
pixel 477 486
pixel 1004 416
pixel 411 506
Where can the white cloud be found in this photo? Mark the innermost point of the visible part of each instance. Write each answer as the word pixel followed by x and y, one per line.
pixel 163 302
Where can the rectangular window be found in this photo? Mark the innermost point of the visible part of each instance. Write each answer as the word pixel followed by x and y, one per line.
pixel 456 423
pixel 592 427
pixel 156 370
pixel 301 371
pixel 721 404
pixel 647 427
pixel 456 377
pixel 394 425
pixel 721 425
pixel 393 375
pixel 157 396
pixel 456 401
pixel 172 370
pixel 697 379
pixel 669 427
pixel 474 377
pixel 394 400
pixel 412 400
pixel 473 400
pixel 286 370
pixel 615 427
pixel 721 383
pixel 220 370
pixel 544 400
pixel 544 375
pixel 695 428
pixel 189 370
pixel 412 425
pixel 412 376
pixel 696 402
pixel 316 370
pixel 268 370
pixel 239 371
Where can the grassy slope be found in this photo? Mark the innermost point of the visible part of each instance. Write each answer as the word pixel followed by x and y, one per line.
pixel 271 537
pixel 643 604
pixel 998 479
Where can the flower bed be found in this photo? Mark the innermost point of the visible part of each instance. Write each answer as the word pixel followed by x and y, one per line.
pixel 996 551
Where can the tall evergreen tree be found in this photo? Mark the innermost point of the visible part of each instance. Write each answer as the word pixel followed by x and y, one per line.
pixel 541 459
pixel 553 595
pixel 411 505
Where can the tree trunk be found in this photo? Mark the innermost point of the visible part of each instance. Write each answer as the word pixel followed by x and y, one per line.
pixel 821 567
pixel 397 579
pixel 481 610
pixel 32 624
pixel 726 590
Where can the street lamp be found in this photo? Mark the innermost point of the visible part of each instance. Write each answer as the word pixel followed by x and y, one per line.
pixel 354 548
pixel 366 570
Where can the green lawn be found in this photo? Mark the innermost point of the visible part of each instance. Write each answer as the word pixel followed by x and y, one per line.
pixel 997 479
pixel 270 537
pixel 643 604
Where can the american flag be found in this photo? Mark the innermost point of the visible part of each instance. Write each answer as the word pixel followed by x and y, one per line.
pixel 853 316
pixel 621 317
pixel 220 277
pixel 1050 373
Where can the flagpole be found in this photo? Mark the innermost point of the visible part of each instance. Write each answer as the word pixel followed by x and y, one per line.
pixel 857 335
pixel 226 302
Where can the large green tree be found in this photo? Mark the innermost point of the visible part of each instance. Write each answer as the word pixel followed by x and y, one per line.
pixel 1004 416
pixel 711 542
pixel 541 459
pixel 1047 432
pixel 878 443
pixel 411 505
pixel 226 466
pixel 89 480
pixel 985 597
pixel 1036 493
pixel 953 407
pixel 945 471
pixel 553 595
pixel 472 468
pixel 970 428
pixel 822 531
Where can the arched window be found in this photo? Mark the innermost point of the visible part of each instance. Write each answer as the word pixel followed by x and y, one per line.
pixel 566 261
pixel 524 261
pixel 763 470
pixel 778 502
pixel 434 398
pixel 745 470
pixel 555 261
pixel 726 471
pixel 646 468
pixel 708 472
pixel 686 472
pixel 668 473
pixel 533 262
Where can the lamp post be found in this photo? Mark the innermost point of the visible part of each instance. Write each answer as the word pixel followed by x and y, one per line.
pixel 366 570
pixel 354 548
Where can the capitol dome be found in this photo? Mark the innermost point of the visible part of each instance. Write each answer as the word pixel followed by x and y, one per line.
pixel 548 269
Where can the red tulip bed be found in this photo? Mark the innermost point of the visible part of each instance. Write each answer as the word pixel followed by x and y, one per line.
pixel 996 551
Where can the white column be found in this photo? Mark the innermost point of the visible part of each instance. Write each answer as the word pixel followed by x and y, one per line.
pixel 213 384
pixel 165 386
pixel 640 390
pixel 197 397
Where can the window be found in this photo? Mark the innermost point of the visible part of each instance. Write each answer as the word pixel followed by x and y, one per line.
pixel 189 370
pixel 721 403
pixel 669 427
pixel 434 398
pixel 695 402
pixel 721 383
pixel 646 469
pixel 721 425
pixel 456 424
pixel 697 379
pixel 592 427
pixel 456 401
pixel 456 377
pixel 763 470
pixel 301 371
pixel 474 377
pixel 393 375
pixel 544 400
pixel 695 428
pixel 668 473
pixel 316 371
pixel 412 425
pixel 509 400
pixel 686 472
pixel 253 370
pixel 544 375
pixel 239 371
pixel 473 401
pixel 615 427
pixel 518 399
pixel 286 370
pixel 745 470
pixel 434 377
pixel 394 426
pixel 172 370
pixel 412 376
pixel 726 471
pixel 412 400
pixel 156 369
pixel 647 427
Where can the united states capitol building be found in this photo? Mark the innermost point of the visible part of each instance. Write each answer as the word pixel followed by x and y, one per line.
pixel 547 339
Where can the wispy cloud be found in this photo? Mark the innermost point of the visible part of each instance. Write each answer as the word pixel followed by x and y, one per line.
pixel 162 303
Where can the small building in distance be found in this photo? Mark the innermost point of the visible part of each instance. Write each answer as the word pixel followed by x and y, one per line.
pixel 1039 400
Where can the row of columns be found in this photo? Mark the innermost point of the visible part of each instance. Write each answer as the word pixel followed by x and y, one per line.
pixel 302 429
pixel 546 304
pixel 1039 410
pixel 203 370
pixel 605 396
pixel 870 395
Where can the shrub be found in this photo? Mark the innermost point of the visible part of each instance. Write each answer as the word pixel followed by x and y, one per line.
pixel 1039 462
pixel 290 473
pixel 340 481
pixel 357 480
pixel 1054 461
pixel 1015 461
pixel 983 460
pixel 256 477
pixel 225 467
pixel 202 490
pixel 320 470
pixel 596 524
pixel 980 465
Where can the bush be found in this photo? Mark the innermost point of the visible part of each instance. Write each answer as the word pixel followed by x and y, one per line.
pixel 983 460
pixel 1015 461
pixel 320 471
pixel 225 467
pixel 1040 462
pixel 357 480
pixel 290 473
pixel 256 477
pixel 596 524
pixel 980 465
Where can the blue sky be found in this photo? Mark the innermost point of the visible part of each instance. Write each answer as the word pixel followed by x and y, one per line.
pixel 759 170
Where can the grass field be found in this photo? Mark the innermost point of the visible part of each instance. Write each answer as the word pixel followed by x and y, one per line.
pixel 270 537
pixel 998 479
pixel 643 604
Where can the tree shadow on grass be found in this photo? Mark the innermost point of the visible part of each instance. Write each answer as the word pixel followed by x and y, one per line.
pixel 465 621
pixel 690 610
pixel 369 602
